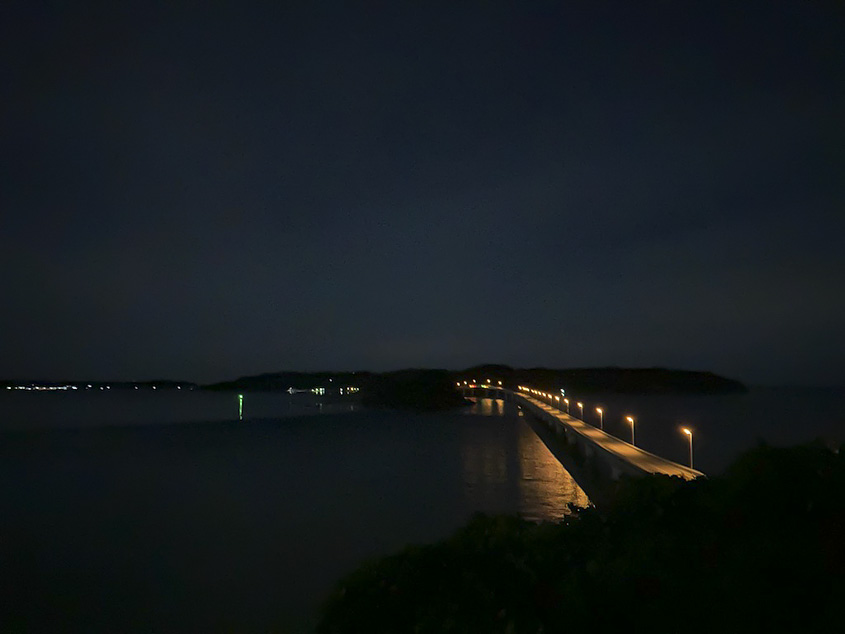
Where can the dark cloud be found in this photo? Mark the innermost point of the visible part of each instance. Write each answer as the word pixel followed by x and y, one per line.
pixel 205 192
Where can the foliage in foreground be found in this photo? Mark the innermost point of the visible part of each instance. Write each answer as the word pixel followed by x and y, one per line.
pixel 761 548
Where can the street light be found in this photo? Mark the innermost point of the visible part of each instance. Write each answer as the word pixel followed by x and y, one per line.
pixel 630 419
pixel 581 407
pixel 601 417
pixel 689 433
pixel 566 400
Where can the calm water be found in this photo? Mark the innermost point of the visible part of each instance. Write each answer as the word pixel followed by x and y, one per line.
pixel 210 524
pixel 111 520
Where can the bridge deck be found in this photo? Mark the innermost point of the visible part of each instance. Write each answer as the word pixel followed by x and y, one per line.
pixel 640 458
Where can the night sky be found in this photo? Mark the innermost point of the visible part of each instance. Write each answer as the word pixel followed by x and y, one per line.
pixel 202 192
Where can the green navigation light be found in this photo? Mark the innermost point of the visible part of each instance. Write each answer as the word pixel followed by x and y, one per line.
pixel 240 406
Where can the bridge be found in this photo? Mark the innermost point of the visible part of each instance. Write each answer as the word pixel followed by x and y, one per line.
pixel 595 458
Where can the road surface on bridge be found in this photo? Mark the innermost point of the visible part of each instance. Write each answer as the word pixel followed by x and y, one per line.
pixel 640 458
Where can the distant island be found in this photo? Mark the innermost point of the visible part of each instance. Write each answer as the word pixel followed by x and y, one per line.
pixel 431 389
pixel 582 380
pixel 607 379
pixel 285 381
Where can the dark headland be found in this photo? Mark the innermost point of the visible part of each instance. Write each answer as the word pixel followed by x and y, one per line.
pixel 607 379
pixel 429 389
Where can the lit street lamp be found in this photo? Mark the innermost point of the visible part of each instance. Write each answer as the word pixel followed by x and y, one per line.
pixel 601 417
pixel 566 400
pixel 689 433
pixel 581 407
pixel 630 419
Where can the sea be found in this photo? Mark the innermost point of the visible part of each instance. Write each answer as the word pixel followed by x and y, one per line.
pixel 167 512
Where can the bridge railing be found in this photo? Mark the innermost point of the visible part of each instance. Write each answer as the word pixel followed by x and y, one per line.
pixel 619 448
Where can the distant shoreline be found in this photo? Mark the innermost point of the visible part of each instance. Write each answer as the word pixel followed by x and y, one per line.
pixel 580 380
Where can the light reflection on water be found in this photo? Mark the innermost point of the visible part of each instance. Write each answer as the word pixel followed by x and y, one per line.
pixel 512 457
pixel 110 511
pixel 545 485
pixel 21 410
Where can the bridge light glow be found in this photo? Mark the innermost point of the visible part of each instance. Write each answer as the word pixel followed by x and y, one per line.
pixel 600 412
pixel 630 419
pixel 581 407
pixel 689 433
